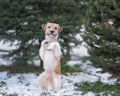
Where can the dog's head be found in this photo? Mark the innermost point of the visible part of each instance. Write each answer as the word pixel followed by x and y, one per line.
pixel 51 29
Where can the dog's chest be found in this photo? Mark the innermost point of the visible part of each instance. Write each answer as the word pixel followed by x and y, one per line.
pixel 50 47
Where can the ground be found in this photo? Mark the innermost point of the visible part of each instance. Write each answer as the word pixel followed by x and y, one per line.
pixel 72 83
pixel 27 84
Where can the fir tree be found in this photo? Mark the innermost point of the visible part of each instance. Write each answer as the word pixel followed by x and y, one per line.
pixel 21 20
pixel 103 34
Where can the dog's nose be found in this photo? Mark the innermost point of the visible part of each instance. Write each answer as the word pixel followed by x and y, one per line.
pixel 51 31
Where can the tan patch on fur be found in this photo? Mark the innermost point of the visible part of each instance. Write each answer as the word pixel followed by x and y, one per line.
pixel 57 68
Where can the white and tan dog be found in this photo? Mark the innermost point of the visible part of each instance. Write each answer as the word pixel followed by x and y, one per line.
pixel 50 53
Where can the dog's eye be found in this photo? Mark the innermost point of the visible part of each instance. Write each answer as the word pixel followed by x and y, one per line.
pixel 55 28
pixel 48 26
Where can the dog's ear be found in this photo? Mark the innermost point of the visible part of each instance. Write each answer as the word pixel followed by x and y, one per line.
pixel 43 26
pixel 59 28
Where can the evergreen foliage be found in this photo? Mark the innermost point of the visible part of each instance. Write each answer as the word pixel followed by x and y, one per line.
pixel 99 88
pixel 103 34
pixel 21 20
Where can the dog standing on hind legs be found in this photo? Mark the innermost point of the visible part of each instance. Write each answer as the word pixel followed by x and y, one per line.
pixel 50 53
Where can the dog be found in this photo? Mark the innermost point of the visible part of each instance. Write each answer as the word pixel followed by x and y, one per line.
pixel 50 53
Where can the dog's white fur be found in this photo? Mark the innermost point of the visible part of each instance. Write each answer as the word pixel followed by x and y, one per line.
pixel 50 53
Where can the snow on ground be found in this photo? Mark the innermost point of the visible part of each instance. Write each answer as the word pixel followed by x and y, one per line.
pixel 93 74
pixel 7 46
pixel 27 84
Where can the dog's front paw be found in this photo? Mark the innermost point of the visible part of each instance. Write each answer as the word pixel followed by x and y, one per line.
pixel 49 49
pixel 45 42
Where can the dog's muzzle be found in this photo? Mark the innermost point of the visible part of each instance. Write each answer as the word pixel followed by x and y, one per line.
pixel 51 31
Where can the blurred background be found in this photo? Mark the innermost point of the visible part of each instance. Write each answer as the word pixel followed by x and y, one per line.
pixel 96 23
pixel 90 43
